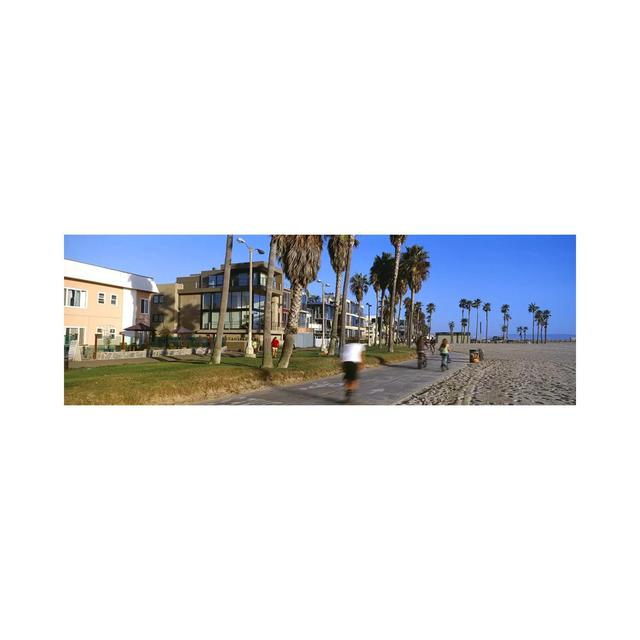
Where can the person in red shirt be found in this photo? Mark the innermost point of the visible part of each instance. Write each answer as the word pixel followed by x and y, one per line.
pixel 275 343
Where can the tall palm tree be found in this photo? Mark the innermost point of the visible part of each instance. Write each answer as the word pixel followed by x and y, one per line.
pixel 373 279
pixel 486 307
pixel 546 314
pixel 216 354
pixel 300 258
pixel 338 247
pixel 401 290
pixel 538 318
pixel 345 290
pixel 416 266
pixel 359 288
pixel 533 307
pixel 476 305
pixel 519 332
pixel 381 272
pixel 524 330
pixel 267 358
pixel 452 326
pixel 504 332
pixel 463 323
pixel 397 242
pixel 407 312
pixel 504 310
pixel 417 312
pixel 468 305
pixel 431 309
pixel 507 319
pixel 463 305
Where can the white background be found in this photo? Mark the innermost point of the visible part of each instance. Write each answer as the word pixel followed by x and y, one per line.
pixel 413 522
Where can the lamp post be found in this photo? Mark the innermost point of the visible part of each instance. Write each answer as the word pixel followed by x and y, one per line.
pixel 323 350
pixel 368 323
pixel 248 352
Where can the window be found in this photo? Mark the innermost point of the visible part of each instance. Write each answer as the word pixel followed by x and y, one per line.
pixel 158 317
pixel 217 280
pixel 144 305
pixel 75 298
pixel 158 299
pixel 114 299
pixel 240 279
pixel 100 297
pixel 259 279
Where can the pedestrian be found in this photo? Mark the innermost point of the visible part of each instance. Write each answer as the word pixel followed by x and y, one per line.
pixel 433 343
pixel 444 354
pixel 275 343
pixel 421 349
pixel 352 362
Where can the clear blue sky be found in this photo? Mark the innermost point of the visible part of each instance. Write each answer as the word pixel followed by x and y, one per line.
pixel 514 270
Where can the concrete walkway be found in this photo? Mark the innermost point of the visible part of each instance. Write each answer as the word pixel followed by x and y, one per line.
pixel 386 384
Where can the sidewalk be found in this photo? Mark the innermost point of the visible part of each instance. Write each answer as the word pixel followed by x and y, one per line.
pixel 384 385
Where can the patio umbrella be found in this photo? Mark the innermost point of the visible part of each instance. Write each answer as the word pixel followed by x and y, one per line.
pixel 182 332
pixel 139 327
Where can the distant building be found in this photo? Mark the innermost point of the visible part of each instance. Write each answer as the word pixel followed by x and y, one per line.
pixel 102 302
pixel 356 319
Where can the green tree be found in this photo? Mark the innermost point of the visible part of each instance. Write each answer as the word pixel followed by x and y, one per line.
pixel 345 289
pixel 546 314
pixel 486 307
pixel 416 266
pixel 452 326
pixel 397 242
pixel 431 309
pixel 359 288
pixel 381 272
pixel 300 258
pixel 338 247
pixel 476 305
pixel 533 307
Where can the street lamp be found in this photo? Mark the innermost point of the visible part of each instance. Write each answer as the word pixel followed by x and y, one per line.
pixel 369 323
pixel 324 348
pixel 248 352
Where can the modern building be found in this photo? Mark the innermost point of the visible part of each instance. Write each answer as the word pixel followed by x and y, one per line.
pixel 102 302
pixel 193 303
pixel 356 317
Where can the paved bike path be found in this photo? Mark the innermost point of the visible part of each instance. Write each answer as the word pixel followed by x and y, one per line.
pixel 386 384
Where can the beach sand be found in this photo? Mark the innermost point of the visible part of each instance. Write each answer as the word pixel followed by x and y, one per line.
pixel 519 374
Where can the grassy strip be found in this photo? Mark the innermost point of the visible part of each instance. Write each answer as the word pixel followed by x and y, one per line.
pixel 192 379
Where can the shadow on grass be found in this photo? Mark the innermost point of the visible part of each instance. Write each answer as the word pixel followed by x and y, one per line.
pixel 172 359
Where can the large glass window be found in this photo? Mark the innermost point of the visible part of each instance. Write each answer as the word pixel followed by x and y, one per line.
pixel 259 279
pixel 205 320
pixel 217 280
pixel 206 301
pixel 258 302
pixel 240 279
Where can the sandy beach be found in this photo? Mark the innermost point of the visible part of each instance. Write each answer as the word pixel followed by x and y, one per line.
pixel 512 374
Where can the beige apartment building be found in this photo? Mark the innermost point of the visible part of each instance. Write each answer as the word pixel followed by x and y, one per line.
pixel 103 302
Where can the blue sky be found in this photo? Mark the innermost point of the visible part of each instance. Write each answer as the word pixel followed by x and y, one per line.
pixel 499 269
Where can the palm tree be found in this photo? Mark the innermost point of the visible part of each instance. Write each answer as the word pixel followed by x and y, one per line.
pixel 452 326
pixel 345 290
pixel 267 358
pixel 468 305
pixel 359 288
pixel 464 322
pixel 381 272
pixel 538 318
pixel 519 332
pixel 416 266
pixel 397 242
pixel 401 290
pixel 524 330
pixel 300 258
pixel 504 332
pixel 417 312
pixel 504 310
pixel 216 354
pixel 338 247
pixel 507 318
pixel 463 305
pixel 486 307
pixel 546 314
pixel 476 305
pixel 533 307
pixel 373 279
pixel 431 308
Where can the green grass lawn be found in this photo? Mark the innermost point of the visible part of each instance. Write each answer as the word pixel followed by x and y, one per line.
pixel 192 379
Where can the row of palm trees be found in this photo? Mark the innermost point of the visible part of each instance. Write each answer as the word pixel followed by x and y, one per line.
pixel 540 317
pixel 300 256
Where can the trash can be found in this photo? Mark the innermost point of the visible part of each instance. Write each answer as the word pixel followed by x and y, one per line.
pixel 474 356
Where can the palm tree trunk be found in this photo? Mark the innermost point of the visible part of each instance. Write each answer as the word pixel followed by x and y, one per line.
pixel 477 317
pixel 533 326
pixel 292 326
pixel 345 291
pixel 377 342
pixel 392 304
pixel 216 354
pixel 267 358
pixel 399 312
pixel 336 315
pixel 411 318
pixel 487 327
